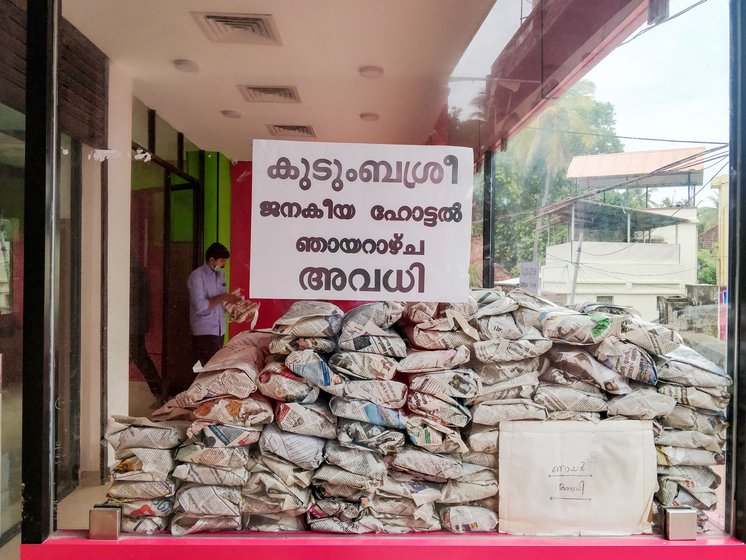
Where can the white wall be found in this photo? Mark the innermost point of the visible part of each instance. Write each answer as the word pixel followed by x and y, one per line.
pixel 118 232
pixel 90 316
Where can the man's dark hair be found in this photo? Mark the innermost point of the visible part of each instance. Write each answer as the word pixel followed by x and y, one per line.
pixel 217 251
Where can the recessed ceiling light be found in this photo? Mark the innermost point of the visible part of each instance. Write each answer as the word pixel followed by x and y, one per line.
pixel 186 65
pixel 370 71
pixel 231 114
pixel 370 117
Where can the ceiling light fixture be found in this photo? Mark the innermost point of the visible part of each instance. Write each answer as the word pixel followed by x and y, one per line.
pixel 231 114
pixel 369 117
pixel 370 71
pixel 186 65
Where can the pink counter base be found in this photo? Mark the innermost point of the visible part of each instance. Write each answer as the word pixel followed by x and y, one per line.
pixel 434 546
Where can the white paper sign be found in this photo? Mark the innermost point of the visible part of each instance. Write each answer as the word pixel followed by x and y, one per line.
pixel 563 478
pixel 529 279
pixel 360 221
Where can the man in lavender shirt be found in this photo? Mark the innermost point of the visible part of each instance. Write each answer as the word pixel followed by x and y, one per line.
pixel 207 294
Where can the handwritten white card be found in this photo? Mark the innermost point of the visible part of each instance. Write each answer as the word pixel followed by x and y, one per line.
pixel 568 478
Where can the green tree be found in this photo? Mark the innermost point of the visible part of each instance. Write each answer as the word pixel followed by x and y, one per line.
pixel 531 172
pixel 705 269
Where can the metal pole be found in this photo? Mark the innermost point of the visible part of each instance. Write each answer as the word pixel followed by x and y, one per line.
pixel 629 227
pixel 577 266
pixel 488 223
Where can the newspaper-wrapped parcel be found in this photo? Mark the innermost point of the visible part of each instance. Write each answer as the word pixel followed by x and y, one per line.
pixel 276 381
pixel 653 338
pixel 149 490
pixel 357 461
pixel 560 397
pixel 287 344
pixel 684 456
pixel 143 525
pixel 479 486
pixel 205 474
pixel 641 404
pixel 434 360
pixel 367 328
pixel 687 438
pixel 156 507
pixel 483 439
pixel 430 466
pixel 405 524
pixel 368 437
pixel 555 376
pixel 208 500
pixel 461 383
pixel 493 412
pixel 190 523
pixel 522 387
pixel 366 411
pixel 389 394
pixel 313 419
pixel 531 345
pixel 498 372
pixel 706 398
pixel 328 490
pixel 305 451
pixel 253 411
pixel 445 410
pixel 434 436
pixel 310 319
pixel 489 460
pixel 449 332
pixel 401 507
pixel 495 320
pixel 142 464
pixel 684 485
pixel 274 522
pixel 289 473
pixel 224 457
pixel 313 368
pixel 687 367
pixel 627 359
pixel 245 351
pixel 403 485
pixel 363 365
pixel 571 327
pixel 421 311
pixel 582 365
pixel 468 519
pixel 685 418
pixel 222 435
pixel 329 474
pixel 265 492
pixel 125 432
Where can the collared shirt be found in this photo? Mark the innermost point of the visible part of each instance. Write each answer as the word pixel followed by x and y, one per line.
pixel 204 283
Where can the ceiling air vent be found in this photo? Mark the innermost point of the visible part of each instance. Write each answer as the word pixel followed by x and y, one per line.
pixel 291 130
pixel 270 94
pixel 257 29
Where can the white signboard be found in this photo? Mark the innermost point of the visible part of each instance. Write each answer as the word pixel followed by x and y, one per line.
pixel 529 279
pixel 360 222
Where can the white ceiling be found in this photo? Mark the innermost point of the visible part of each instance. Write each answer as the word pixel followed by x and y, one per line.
pixel 324 42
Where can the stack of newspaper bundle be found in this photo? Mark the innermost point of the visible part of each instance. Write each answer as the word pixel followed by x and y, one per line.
pixel 142 483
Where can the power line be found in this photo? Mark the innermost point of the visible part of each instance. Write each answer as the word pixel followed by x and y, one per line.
pixel 613 135
pixel 682 12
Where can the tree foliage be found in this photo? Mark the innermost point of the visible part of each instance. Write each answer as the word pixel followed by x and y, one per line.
pixel 531 172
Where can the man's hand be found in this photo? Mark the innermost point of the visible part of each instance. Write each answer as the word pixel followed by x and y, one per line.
pixel 223 298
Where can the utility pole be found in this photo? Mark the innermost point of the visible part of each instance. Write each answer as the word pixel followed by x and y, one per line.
pixel 577 266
